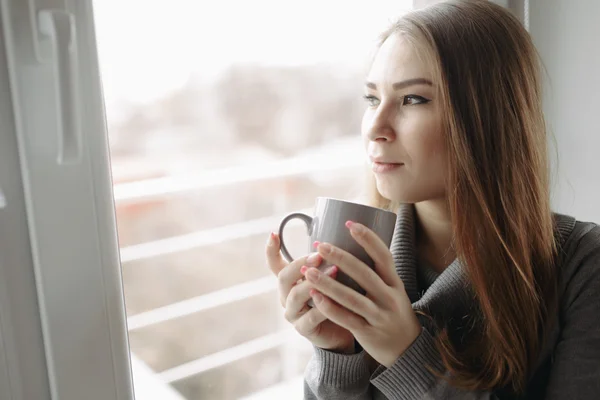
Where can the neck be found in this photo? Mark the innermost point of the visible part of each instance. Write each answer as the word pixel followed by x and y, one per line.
pixel 434 234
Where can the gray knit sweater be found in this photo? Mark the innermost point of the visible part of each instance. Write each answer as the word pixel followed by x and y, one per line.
pixel 568 368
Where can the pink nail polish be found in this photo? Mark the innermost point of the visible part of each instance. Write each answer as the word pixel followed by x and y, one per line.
pixel 332 270
pixel 349 224
pixel 303 269
pixel 316 244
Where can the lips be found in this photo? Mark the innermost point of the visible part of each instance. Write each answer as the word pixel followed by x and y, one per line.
pixel 383 160
pixel 381 167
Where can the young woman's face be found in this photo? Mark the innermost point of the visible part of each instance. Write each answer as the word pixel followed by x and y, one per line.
pixel 401 127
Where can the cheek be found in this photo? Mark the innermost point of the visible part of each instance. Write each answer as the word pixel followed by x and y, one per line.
pixel 433 163
pixel 425 142
pixel 365 127
pixel 433 145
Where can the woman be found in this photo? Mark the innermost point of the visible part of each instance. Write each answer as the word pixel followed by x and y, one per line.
pixel 485 293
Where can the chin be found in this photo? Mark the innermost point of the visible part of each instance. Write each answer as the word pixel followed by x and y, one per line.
pixel 395 194
pixel 402 195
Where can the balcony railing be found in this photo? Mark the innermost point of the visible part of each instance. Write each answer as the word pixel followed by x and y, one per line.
pixel 134 192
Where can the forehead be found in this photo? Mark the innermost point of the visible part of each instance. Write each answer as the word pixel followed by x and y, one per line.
pixel 397 60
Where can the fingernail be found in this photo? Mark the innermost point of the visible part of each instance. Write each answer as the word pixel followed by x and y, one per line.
pixel 316 296
pixel 354 227
pixel 325 248
pixel 303 269
pixel 271 238
pixel 316 244
pixel 313 260
pixel 313 274
pixel 332 270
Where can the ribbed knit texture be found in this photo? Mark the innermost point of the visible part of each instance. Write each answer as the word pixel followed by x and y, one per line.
pixel 403 250
pixel 352 368
pixel 426 275
pixel 448 298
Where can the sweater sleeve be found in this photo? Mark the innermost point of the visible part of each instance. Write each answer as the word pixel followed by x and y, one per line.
pixel 332 376
pixel 410 379
pixel 575 370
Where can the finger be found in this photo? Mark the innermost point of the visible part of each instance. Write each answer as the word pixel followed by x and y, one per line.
pixel 308 324
pixel 377 250
pixel 343 295
pixel 338 314
pixel 299 295
pixel 295 303
pixel 274 259
pixel 365 276
pixel 289 276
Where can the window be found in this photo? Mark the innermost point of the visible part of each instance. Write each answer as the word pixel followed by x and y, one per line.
pixel 223 116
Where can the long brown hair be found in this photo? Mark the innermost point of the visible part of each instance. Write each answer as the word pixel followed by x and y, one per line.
pixel 497 185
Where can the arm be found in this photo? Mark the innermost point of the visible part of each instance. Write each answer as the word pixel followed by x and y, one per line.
pixel 575 371
pixel 332 376
pixel 409 378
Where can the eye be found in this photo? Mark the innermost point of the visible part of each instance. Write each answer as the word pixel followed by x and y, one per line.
pixel 413 99
pixel 372 100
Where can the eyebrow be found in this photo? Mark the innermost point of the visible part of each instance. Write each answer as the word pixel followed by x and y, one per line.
pixel 403 84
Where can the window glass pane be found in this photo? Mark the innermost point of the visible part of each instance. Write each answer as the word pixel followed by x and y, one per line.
pixel 224 116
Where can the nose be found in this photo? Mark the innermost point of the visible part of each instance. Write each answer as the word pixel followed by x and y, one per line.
pixel 381 129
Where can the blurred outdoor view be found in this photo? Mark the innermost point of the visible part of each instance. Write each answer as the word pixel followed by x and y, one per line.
pixel 224 116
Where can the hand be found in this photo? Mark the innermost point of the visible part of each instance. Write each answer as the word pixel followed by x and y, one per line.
pixel 383 320
pixel 294 294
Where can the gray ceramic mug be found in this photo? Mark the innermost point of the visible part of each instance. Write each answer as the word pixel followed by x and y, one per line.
pixel 328 225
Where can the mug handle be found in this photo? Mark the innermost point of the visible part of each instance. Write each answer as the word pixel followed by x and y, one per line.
pixel 307 221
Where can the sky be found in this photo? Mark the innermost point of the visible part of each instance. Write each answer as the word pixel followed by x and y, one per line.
pixel 148 48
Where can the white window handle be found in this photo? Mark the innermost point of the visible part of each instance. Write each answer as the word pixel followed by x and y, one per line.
pixel 57 28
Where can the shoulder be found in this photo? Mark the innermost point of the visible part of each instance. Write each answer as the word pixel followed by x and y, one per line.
pixel 579 262
pixel 574 351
